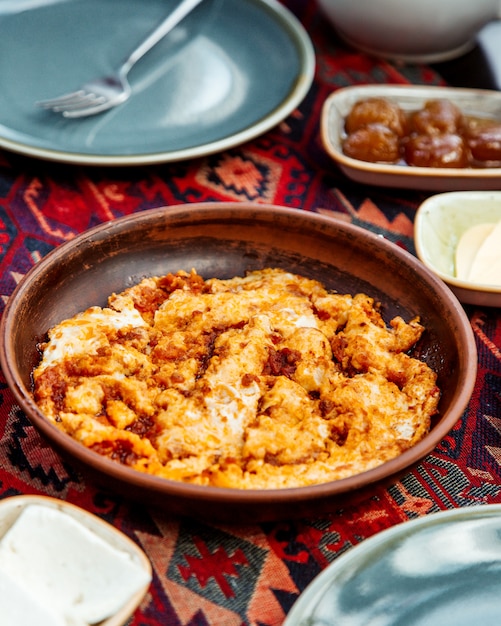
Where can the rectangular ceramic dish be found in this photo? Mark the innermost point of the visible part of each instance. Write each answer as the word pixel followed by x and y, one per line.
pixel 477 102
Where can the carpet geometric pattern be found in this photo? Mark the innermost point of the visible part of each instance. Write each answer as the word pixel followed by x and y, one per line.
pixel 210 574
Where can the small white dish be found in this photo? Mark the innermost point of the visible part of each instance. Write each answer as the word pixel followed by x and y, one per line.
pixel 480 102
pixel 439 224
pixel 11 508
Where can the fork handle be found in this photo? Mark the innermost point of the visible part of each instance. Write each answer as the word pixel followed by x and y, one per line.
pixel 179 13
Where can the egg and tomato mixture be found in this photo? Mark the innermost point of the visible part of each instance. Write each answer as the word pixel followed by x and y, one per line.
pixel 257 382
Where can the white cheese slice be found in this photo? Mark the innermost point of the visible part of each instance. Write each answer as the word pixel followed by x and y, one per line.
pixel 468 247
pixel 18 608
pixel 67 568
pixel 486 266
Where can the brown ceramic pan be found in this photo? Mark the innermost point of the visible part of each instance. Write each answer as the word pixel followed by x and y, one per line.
pixel 223 240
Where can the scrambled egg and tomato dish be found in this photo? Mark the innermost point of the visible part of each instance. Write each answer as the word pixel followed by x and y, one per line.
pixel 256 382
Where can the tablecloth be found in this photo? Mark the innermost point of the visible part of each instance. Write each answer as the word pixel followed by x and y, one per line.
pixel 224 575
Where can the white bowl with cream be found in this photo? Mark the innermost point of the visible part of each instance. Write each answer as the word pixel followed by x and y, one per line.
pixel 458 237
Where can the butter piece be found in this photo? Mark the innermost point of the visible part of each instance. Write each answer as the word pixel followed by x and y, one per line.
pixel 486 266
pixel 66 568
pixel 468 247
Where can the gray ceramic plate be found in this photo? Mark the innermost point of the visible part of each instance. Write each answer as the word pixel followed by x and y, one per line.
pixel 439 570
pixel 230 71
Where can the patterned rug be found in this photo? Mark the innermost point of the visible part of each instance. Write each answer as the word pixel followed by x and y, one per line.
pixel 207 574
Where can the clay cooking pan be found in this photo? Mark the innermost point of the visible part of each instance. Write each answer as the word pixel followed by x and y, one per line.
pixel 224 240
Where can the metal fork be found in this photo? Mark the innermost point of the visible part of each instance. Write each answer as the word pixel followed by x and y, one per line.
pixel 104 93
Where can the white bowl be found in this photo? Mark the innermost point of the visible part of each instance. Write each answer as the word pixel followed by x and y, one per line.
pixel 427 31
pixel 440 221
pixel 12 507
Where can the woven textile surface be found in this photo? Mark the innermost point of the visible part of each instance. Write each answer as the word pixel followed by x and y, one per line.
pixel 206 574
